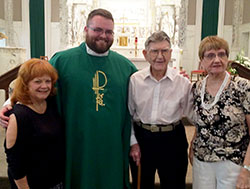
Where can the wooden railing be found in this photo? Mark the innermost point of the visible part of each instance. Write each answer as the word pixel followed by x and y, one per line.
pixel 242 70
pixel 7 78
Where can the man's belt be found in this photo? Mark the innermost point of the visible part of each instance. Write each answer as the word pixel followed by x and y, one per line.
pixel 158 128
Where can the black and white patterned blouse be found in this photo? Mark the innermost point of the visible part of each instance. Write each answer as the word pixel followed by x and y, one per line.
pixel 222 131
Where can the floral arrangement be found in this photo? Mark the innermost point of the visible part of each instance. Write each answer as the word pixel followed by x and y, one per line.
pixel 241 59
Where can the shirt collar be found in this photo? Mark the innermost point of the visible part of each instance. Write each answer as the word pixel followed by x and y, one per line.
pixel 93 53
pixel 171 73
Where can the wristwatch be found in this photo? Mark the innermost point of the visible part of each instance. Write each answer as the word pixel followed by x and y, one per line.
pixel 247 167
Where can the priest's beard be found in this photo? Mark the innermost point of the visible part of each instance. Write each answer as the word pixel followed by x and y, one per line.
pixel 99 44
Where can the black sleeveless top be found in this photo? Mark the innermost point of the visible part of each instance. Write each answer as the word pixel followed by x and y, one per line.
pixel 39 151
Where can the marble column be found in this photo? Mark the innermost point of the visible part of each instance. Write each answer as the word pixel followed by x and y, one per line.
pixel 153 15
pixel 63 19
pixel 95 4
pixel 73 15
pixel 8 17
pixel 237 21
pixel 182 22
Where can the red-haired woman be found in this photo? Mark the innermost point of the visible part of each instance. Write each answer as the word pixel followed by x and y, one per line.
pixel 35 135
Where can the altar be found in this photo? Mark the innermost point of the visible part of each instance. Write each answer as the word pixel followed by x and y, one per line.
pixel 140 63
pixel 133 25
pixel 136 56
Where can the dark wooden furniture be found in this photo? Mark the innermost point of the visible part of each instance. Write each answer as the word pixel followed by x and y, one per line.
pixel 242 70
pixel 7 78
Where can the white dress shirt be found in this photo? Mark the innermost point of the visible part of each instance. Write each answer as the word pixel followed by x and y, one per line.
pixel 159 102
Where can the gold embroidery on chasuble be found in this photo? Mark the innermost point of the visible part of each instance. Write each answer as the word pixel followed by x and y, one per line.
pixel 98 87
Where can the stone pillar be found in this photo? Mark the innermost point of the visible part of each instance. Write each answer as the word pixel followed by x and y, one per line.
pixel 153 15
pixel 182 22
pixel 63 19
pixel 76 21
pixel 8 17
pixel 95 4
pixel 237 21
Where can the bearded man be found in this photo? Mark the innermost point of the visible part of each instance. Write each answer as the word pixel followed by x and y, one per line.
pixel 92 97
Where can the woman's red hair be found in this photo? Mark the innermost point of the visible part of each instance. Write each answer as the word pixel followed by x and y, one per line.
pixel 28 71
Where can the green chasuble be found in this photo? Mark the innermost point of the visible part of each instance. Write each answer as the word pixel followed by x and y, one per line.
pixel 92 95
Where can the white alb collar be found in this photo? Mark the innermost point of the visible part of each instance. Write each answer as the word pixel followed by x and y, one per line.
pixel 91 52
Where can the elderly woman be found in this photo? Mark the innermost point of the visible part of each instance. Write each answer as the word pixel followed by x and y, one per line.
pixel 220 147
pixel 35 135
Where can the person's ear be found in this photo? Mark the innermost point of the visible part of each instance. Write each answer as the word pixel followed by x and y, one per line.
pixel 145 52
pixel 170 51
pixel 86 28
pixel 201 64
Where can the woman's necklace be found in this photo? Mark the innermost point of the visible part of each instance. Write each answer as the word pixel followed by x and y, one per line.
pixel 216 98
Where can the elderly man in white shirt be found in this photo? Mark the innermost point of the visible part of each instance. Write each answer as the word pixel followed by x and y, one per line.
pixel 158 98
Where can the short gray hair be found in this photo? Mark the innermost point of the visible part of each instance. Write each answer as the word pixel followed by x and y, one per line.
pixel 157 36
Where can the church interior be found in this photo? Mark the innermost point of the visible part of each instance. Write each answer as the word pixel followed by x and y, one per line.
pixel 186 22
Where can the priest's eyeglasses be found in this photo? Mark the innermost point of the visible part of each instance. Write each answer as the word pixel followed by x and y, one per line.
pixel 155 52
pixel 212 56
pixel 100 31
